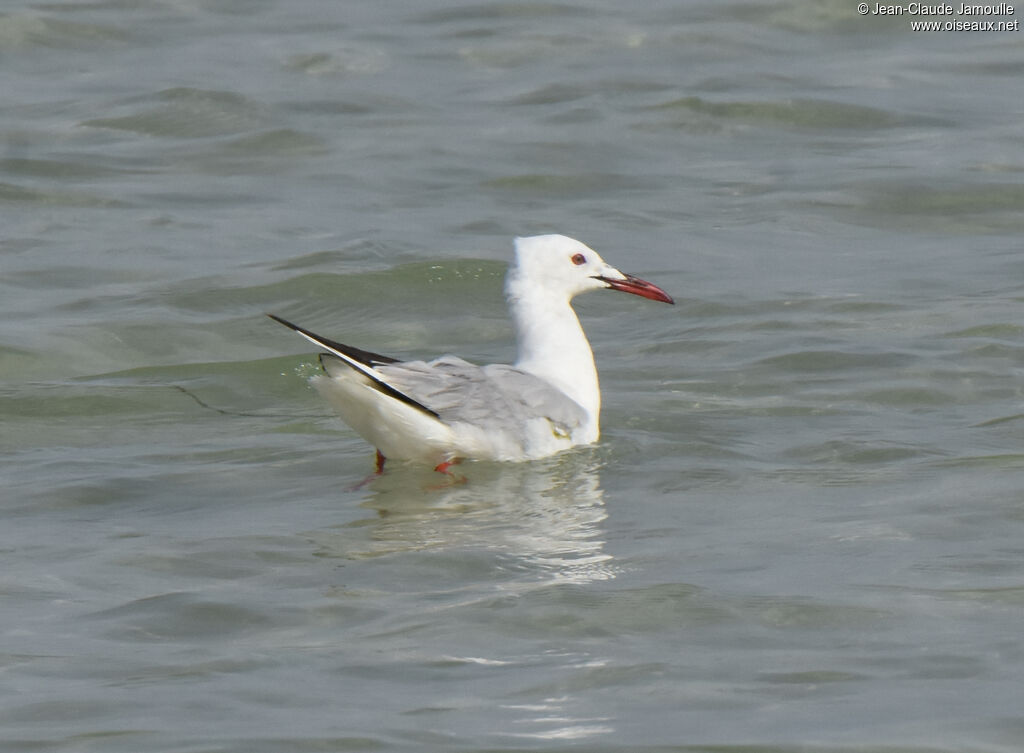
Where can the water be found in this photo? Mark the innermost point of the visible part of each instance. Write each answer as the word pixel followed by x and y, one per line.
pixel 803 526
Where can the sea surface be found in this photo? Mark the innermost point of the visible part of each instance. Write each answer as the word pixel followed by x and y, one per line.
pixel 803 526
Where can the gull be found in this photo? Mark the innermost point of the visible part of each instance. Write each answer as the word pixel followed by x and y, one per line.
pixel 446 410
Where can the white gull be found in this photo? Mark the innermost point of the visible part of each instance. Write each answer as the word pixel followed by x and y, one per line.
pixel 446 410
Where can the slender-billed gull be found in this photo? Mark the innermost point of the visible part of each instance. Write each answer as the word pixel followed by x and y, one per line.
pixel 446 410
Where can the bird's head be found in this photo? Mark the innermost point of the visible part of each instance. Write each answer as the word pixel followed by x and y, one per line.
pixel 565 267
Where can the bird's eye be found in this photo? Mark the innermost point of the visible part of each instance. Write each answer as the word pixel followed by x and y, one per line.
pixel 578 259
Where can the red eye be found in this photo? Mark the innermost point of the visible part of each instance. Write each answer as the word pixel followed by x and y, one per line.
pixel 578 259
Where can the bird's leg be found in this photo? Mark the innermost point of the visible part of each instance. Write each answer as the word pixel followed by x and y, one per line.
pixel 378 470
pixel 443 467
pixel 453 478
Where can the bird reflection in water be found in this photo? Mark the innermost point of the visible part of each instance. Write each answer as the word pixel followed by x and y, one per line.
pixel 541 520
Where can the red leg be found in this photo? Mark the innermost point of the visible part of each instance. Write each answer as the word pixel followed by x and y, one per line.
pixel 443 467
pixel 454 479
pixel 377 471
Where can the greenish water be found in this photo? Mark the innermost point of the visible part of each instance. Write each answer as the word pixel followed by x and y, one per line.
pixel 802 528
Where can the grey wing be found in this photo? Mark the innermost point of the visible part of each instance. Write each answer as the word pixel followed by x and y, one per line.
pixel 496 396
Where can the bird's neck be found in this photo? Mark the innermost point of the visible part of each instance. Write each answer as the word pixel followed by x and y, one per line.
pixel 552 346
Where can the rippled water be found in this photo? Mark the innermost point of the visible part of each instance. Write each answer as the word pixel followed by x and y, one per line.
pixel 803 528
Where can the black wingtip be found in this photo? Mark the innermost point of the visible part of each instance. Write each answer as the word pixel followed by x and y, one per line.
pixel 285 322
pixel 379 384
pixel 363 356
